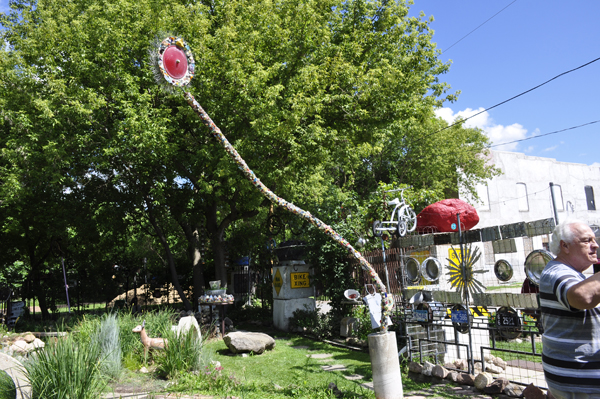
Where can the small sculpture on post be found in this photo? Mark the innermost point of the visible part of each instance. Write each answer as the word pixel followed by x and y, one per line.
pixel 149 343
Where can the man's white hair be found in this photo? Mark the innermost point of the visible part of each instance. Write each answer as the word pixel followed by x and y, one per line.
pixel 564 232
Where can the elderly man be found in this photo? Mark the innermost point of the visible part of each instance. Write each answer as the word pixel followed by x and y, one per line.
pixel 571 340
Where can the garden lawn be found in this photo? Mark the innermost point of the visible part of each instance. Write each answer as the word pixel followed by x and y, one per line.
pixel 286 372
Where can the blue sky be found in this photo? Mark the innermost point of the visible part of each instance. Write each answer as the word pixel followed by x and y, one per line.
pixel 526 44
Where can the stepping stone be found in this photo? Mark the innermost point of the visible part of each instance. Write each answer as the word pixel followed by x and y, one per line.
pixel 301 347
pixel 334 367
pixel 320 355
pixel 326 360
pixel 354 377
pixel 368 385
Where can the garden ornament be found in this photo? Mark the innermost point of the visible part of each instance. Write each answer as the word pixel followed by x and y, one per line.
pixel 175 65
pixel 149 343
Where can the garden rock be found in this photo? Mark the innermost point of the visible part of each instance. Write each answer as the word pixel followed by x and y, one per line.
pixel 533 392
pixel 496 361
pixel 513 390
pixel 439 372
pixel 483 380
pixel 497 386
pixel 453 376
pixel 492 368
pixel 29 338
pixel 467 379
pixel 427 368
pixel 415 367
pixel 239 342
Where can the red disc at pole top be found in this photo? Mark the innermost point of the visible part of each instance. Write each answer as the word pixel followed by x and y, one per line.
pixel 175 62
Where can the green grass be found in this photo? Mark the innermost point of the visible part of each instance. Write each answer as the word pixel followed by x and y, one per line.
pixel 504 286
pixel 7 386
pixel 285 372
pixel 524 346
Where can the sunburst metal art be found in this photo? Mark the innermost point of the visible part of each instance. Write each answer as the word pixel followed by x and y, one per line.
pixel 463 279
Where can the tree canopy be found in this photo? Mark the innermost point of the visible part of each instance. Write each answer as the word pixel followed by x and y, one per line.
pixel 323 98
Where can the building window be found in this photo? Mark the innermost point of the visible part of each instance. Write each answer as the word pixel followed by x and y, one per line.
pixel 522 197
pixel 589 197
pixel 558 198
pixel 484 199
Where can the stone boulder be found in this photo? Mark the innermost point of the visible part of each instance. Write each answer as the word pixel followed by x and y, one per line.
pixel 466 379
pixel 514 390
pixel 240 342
pixel 415 367
pixel 427 368
pixel 439 372
pixel 533 392
pixel 497 386
pixel 483 380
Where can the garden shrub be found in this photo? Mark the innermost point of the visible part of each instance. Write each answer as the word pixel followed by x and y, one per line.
pixel 108 339
pixel 182 354
pixel 66 369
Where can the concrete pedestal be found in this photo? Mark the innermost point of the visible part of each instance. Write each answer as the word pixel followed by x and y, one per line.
pixel 283 310
pixel 292 290
pixel 385 365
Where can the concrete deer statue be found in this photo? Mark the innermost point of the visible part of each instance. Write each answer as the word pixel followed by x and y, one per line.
pixel 149 343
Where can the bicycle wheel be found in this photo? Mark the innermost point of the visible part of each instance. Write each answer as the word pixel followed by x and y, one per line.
pixel 274 225
pixel 409 217
pixel 377 228
pixel 401 228
pixel 297 225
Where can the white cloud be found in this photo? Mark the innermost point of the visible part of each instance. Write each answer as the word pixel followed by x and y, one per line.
pixel 596 164
pixel 554 147
pixel 497 133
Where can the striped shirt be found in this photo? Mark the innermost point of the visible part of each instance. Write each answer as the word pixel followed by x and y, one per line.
pixel 571 339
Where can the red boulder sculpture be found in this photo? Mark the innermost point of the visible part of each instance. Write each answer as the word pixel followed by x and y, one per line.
pixel 441 216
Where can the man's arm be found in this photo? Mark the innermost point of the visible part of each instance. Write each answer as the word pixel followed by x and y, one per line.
pixel 586 294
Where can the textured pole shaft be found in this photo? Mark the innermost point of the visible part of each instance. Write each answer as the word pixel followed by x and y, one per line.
pixel 387 302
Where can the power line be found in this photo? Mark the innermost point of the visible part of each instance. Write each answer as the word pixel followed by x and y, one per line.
pixel 486 21
pixel 545 134
pixel 514 97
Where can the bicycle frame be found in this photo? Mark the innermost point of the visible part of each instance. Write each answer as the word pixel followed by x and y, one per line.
pixel 402 219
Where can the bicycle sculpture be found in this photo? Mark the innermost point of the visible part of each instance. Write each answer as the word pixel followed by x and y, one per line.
pixel 402 220
pixel 176 65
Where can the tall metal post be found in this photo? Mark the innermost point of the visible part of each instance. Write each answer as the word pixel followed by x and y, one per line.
pixel 387 275
pixel 62 261
pixel 463 269
pixel 553 202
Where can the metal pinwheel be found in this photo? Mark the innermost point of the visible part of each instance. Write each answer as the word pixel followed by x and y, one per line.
pixel 464 279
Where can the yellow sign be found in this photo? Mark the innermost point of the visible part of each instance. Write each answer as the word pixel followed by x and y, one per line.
pixel 277 281
pixel 455 255
pixel 299 280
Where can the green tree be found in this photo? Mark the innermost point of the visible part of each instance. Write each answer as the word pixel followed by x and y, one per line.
pixel 314 94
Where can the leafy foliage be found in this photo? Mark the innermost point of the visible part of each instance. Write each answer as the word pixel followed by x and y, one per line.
pixel 66 369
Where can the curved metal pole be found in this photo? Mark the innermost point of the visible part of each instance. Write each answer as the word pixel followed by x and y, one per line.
pixel 387 303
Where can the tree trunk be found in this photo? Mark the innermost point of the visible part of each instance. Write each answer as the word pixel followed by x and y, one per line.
pixel 163 240
pixel 193 237
pixel 215 230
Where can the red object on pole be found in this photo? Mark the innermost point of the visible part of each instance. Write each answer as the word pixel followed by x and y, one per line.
pixel 441 216
pixel 175 62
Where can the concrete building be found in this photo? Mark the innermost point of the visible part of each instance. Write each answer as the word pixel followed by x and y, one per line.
pixel 522 192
